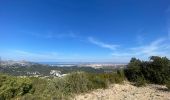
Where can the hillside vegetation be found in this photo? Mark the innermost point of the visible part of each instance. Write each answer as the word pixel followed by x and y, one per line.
pixel 44 70
pixel 156 70
pixel 56 88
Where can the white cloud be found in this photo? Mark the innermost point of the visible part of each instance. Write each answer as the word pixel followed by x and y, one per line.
pixel 123 54
pixel 102 44
pixel 31 56
pixel 51 35
pixel 156 47
pixel 68 35
pixel 49 57
pixel 159 47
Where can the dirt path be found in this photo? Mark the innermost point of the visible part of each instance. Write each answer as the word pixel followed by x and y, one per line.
pixel 127 92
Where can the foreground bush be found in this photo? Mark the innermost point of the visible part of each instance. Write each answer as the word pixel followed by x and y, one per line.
pixel 168 85
pixel 12 86
pixel 140 82
pixel 56 88
pixel 156 70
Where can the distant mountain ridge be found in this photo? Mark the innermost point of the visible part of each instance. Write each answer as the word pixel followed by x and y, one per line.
pixel 12 62
pixel 25 68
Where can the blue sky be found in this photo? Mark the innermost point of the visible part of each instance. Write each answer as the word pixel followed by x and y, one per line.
pixel 84 30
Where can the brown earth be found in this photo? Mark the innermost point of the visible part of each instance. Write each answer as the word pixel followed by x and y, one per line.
pixel 127 91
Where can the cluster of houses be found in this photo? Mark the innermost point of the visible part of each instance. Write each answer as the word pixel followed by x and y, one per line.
pixel 56 73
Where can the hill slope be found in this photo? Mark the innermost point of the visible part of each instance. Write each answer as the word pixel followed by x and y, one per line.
pixel 127 92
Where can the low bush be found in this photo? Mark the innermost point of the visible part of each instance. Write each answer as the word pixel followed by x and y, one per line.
pixel 140 82
pixel 168 85
pixel 156 70
pixel 56 88
pixel 97 81
pixel 13 86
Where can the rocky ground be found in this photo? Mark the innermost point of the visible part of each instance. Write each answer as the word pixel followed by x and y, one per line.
pixel 127 91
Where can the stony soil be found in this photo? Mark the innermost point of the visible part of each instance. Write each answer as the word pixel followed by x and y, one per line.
pixel 127 91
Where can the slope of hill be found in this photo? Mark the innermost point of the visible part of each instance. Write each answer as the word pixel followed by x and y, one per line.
pixel 127 92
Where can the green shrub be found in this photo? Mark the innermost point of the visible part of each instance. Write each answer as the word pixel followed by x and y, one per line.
pixel 77 82
pixel 156 70
pixel 97 81
pixel 39 86
pixel 140 82
pixel 12 86
pixel 168 85
pixel 56 88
